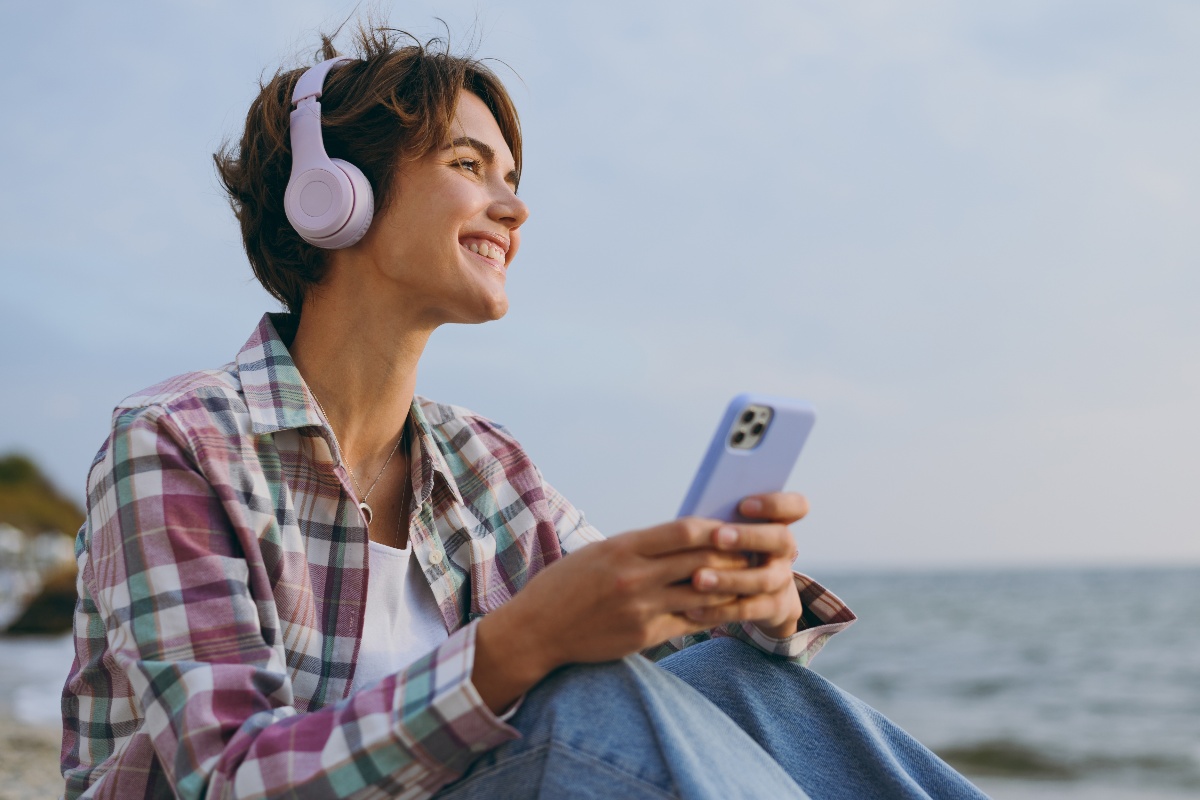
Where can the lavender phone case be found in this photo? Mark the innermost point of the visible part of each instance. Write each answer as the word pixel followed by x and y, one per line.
pixel 727 474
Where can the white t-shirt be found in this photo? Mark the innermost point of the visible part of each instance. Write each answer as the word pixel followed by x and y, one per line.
pixel 402 621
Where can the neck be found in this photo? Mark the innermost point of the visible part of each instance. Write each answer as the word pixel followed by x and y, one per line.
pixel 361 363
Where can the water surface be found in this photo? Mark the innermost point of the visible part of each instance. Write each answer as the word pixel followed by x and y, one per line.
pixel 1046 683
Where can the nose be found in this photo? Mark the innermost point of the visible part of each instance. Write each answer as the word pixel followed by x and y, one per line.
pixel 508 209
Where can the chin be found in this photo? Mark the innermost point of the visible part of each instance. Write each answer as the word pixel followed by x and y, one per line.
pixel 498 309
pixel 488 309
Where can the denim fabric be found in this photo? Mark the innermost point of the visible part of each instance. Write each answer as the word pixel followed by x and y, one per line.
pixel 831 743
pixel 630 730
pixel 626 730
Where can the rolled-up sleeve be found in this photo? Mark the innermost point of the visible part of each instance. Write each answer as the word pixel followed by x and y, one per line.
pixel 824 615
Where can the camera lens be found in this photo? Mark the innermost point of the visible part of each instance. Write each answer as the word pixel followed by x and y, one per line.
pixel 747 417
pixel 757 429
pixel 739 437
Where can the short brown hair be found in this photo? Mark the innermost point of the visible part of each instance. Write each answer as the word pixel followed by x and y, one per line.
pixel 393 105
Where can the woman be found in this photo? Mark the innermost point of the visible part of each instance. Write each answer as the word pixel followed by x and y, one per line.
pixel 298 579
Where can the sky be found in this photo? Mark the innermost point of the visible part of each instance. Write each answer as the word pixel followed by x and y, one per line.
pixel 965 232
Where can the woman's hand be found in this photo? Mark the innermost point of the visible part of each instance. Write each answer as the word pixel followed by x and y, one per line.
pixel 601 603
pixel 641 588
pixel 766 594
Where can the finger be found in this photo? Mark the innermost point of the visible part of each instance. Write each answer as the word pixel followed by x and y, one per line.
pixel 759 606
pixel 677 567
pixel 746 582
pixel 785 507
pixel 684 598
pixel 682 625
pixel 772 540
pixel 689 533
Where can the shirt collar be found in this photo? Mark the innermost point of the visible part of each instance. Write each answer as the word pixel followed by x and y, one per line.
pixel 278 399
pixel 276 395
pixel 431 447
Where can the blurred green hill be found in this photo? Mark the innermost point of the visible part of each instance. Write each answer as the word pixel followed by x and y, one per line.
pixel 29 501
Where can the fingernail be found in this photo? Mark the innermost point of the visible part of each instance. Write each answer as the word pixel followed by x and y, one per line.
pixel 751 507
pixel 696 614
pixel 706 579
pixel 727 535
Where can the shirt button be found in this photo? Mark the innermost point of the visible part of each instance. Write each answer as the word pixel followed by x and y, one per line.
pixel 435 557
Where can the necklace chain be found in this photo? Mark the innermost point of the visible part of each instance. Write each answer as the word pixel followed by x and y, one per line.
pixel 366 509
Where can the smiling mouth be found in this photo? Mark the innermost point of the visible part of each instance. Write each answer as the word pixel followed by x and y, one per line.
pixel 487 252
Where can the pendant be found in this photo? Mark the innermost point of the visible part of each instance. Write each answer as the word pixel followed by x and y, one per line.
pixel 366 509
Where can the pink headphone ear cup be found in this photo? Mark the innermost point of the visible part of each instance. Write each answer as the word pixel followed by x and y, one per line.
pixel 361 213
pixel 318 201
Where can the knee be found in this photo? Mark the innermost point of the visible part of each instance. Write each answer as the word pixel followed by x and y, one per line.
pixel 611 713
pixel 591 679
pixel 728 664
pixel 593 691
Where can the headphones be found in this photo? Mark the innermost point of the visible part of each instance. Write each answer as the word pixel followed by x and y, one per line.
pixel 328 201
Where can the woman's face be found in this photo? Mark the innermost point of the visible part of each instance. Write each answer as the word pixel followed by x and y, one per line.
pixel 451 231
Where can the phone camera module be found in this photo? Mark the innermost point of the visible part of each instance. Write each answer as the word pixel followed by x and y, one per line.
pixel 750 427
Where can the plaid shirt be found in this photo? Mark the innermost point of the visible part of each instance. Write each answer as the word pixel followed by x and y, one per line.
pixel 222 582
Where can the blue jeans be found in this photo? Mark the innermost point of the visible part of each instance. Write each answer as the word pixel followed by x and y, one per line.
pixel 718 720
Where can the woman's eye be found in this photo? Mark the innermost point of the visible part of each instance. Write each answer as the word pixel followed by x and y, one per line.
pixel 469 164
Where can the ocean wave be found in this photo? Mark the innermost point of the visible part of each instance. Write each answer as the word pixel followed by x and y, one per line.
pixel 1007 758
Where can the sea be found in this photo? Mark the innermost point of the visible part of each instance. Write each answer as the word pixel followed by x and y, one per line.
pixel 1037 684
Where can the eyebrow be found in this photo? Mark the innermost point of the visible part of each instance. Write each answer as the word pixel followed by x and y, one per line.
pixel 489 155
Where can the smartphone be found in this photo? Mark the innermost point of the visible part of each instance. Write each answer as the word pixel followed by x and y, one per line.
pixel 753 452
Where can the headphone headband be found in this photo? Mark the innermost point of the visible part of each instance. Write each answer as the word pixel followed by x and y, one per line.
pixel 312 82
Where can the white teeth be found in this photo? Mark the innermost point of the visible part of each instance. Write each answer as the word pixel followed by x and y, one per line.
pixel 486 250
